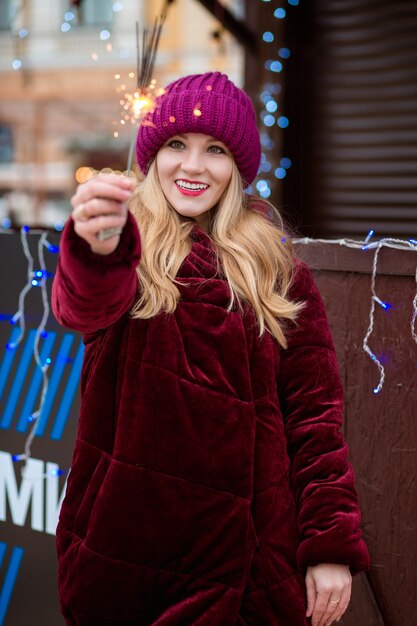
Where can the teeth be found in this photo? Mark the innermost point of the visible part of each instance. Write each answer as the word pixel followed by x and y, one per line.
pixel 191 186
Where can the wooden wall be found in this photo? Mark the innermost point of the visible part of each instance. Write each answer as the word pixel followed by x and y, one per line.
pixel 381 429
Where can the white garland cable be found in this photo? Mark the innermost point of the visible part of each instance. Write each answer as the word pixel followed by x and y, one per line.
pixel 34 279
pixel 374 299
pixel 34 418
pixel 413 319
pixel 389 242
pixel 20 313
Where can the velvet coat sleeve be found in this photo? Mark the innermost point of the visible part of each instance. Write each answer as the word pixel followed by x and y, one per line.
pixel 91 291
pixel 322 478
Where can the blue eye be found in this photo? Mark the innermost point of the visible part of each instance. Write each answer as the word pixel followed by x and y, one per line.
pixel 216 150
pixel 176 144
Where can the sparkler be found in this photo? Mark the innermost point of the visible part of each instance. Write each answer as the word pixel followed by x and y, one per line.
pixel 137 104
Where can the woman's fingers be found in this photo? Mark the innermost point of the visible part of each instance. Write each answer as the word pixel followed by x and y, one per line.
pixel 93 225
pixel 84 211
pixel 341 606
pixel 311 595
pixel 103 187
pixel 98 205
pixel 332 587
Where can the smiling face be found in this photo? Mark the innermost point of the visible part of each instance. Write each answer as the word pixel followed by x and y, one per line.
pixel 194 171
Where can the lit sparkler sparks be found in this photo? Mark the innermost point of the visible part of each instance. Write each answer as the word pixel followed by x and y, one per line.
pixel 135 105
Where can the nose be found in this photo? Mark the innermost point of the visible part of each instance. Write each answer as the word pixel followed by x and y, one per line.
pixel 193 162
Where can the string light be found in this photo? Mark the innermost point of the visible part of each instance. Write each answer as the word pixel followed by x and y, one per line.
pixel 389 242
pixel 269 98
pixel 35 278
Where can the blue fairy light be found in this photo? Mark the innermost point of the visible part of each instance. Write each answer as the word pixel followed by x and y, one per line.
pixel 104 35
pixel 56 472
pixel 265 167
pixel 280 172
pixel 271 106
pixel 48 361
pixel 269 120
pixel 265 96
pixel 38 274
pixel 69 15
pixel 59 226
pixel 273 66
pixel 266 141
pixel 275 88
pixel 413 241
pixel 23 32
pixel 294 3
pixel 285 163
pixel 6 222
pixel 16 64
pixel 284 53
pixel 283 121
pixel 280 13
pixel 261 185
pixel 268 36
pixel 65 27
pixel 369 235
pixel 117 7
pixel 384 305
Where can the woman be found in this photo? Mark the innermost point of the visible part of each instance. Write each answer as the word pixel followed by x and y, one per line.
pixel 210 483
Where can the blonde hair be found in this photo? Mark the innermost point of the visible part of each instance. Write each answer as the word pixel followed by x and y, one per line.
pixel 253 254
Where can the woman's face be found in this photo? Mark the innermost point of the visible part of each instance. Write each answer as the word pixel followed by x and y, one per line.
pixel 194 171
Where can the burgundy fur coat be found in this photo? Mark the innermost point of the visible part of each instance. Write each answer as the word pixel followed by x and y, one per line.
pixel 209 469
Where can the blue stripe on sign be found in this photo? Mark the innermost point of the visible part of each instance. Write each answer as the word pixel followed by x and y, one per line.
pixel 72 384
pixel 2 552
pixel 9 581
pixel 33 391
pixel 60 363
pixel 8 357
pixel 18 381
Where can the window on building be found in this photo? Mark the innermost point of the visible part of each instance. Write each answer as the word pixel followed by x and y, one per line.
pixel 94 13
pixel 5 14
pixel 6 144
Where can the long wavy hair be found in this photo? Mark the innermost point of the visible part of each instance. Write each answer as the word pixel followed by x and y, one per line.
pixel 253 253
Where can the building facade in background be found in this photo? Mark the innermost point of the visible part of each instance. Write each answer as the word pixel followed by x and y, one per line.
pixel 59 108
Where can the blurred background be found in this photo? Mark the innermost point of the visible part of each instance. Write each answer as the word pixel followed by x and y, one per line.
pixel 334 83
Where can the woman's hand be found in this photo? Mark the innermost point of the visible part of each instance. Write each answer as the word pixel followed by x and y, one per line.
pixel 328 592
pixel 98 204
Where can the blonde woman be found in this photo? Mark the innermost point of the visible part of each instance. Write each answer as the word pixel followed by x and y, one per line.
pixel 210 484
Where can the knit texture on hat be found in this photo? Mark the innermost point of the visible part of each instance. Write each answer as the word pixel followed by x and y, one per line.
pixel 203 103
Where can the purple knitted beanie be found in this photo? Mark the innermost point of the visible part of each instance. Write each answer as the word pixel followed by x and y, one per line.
pixel 203 103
